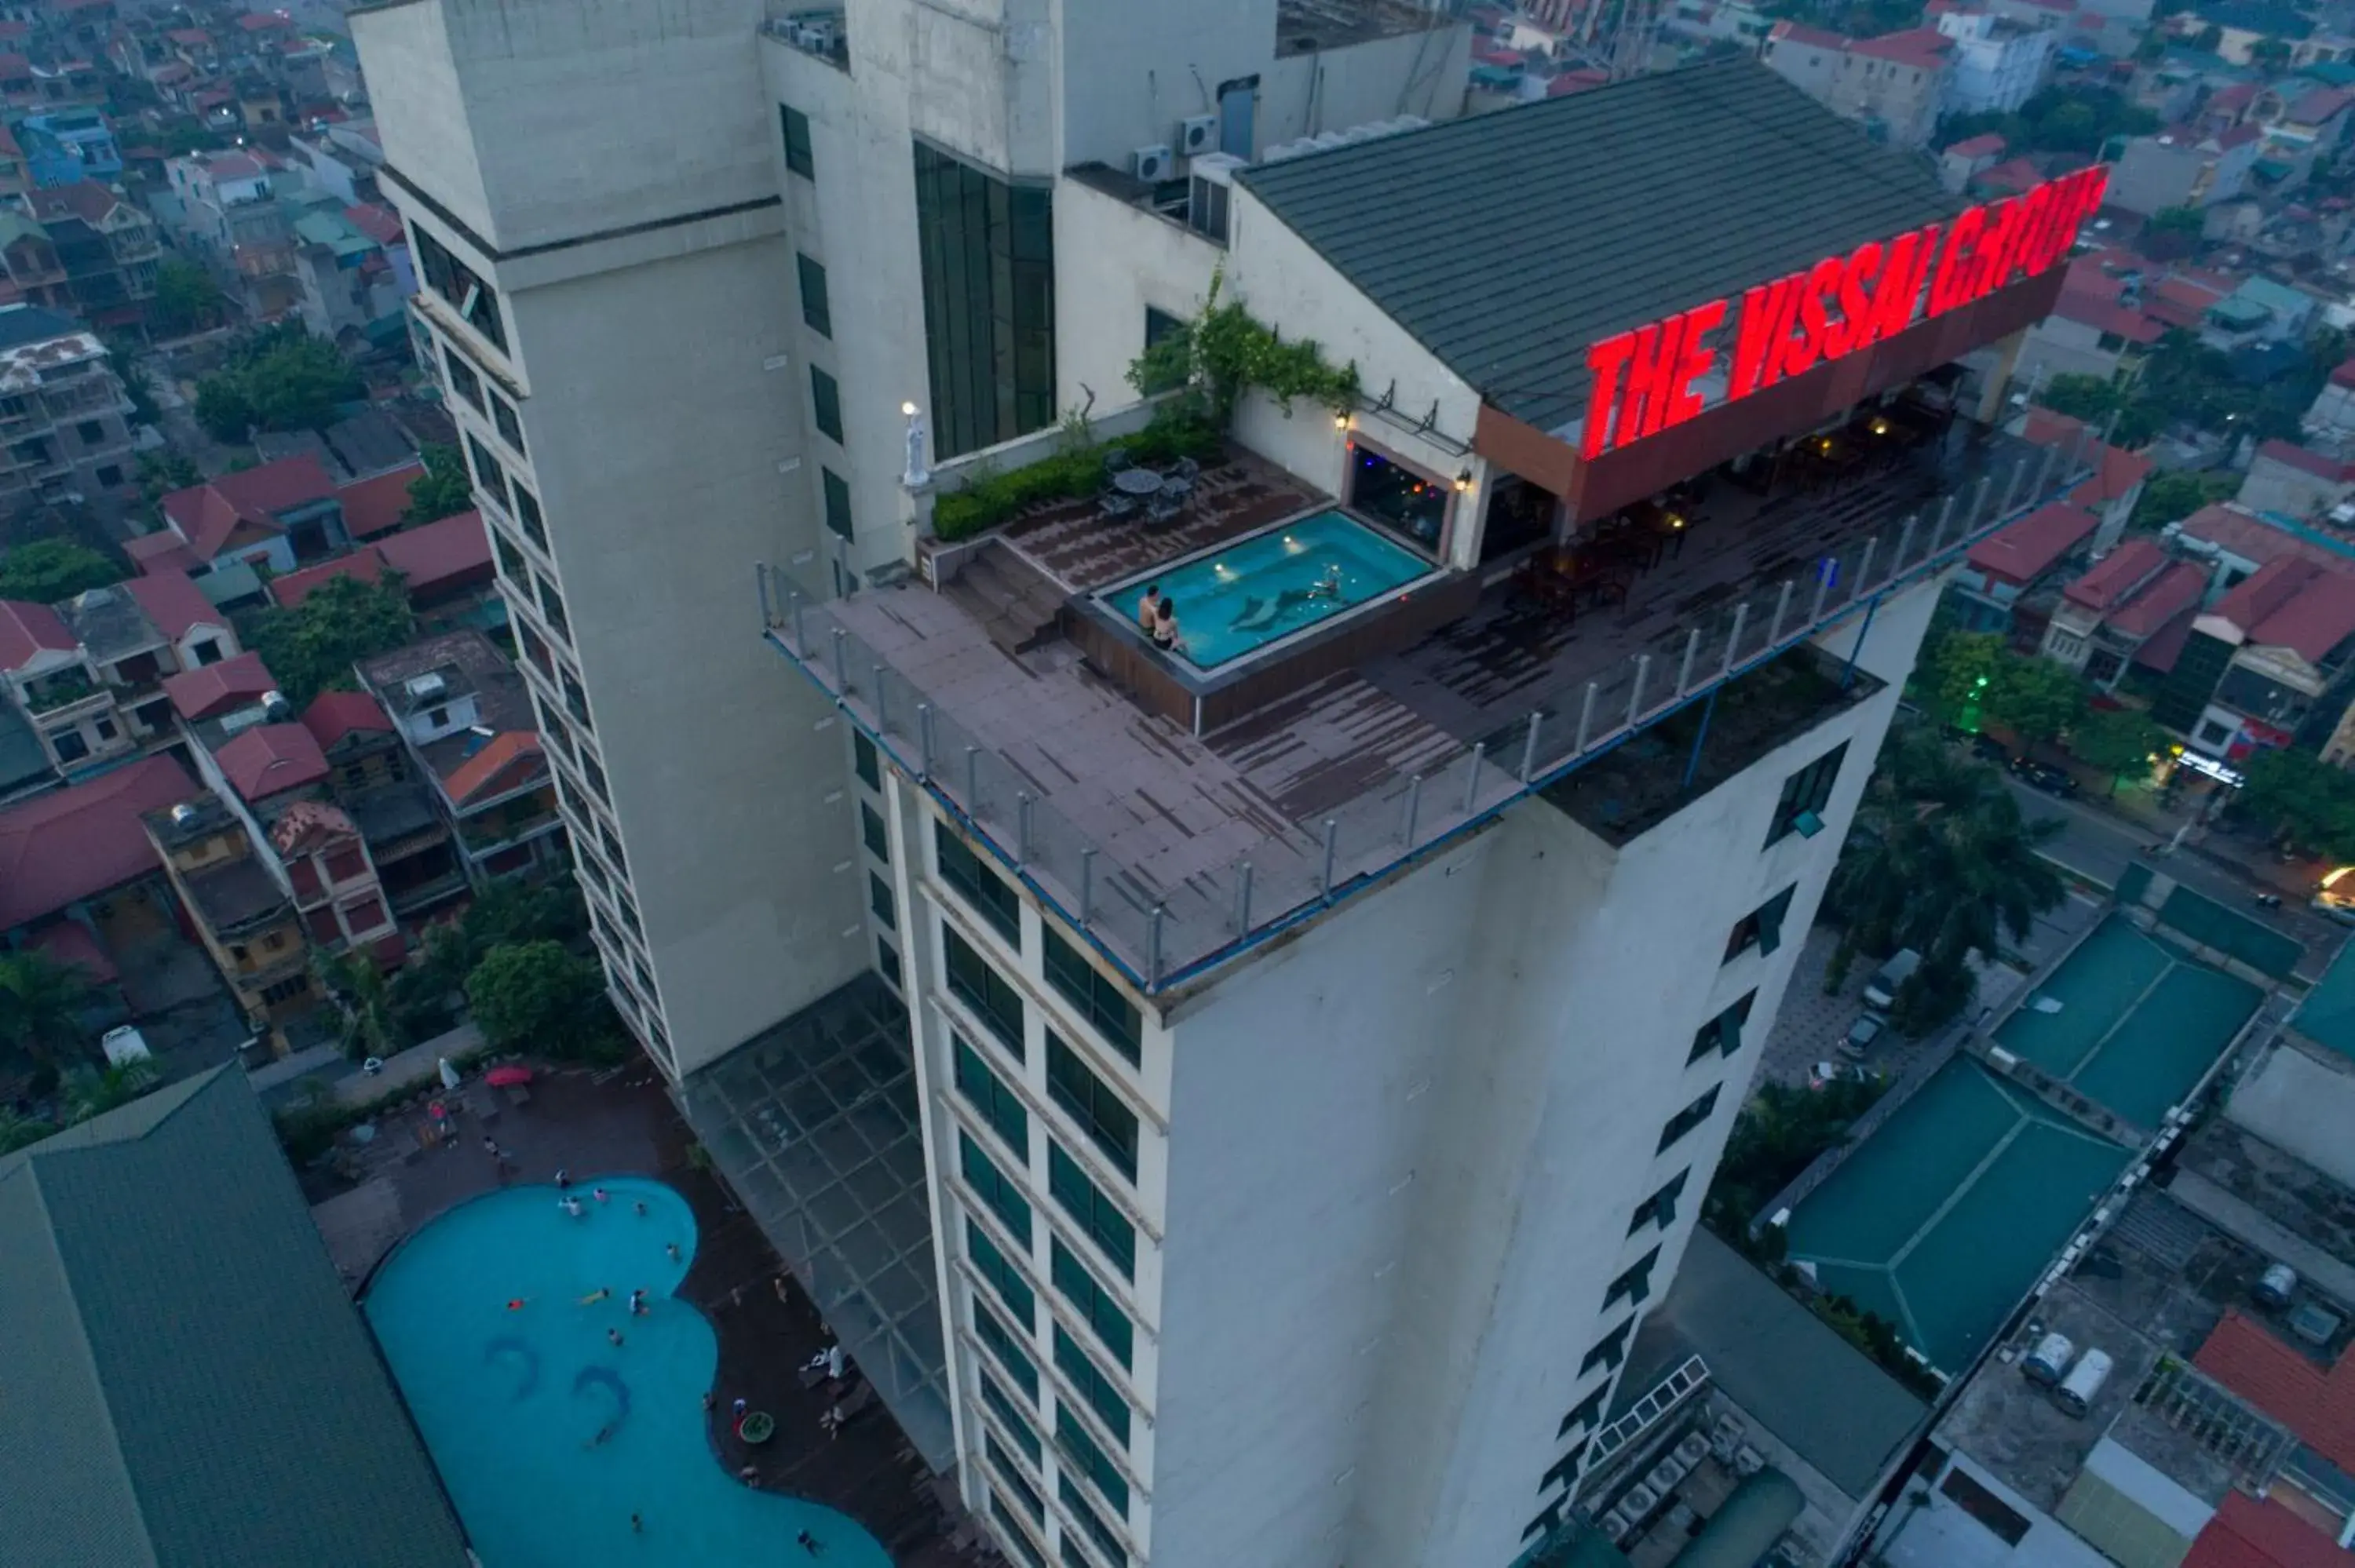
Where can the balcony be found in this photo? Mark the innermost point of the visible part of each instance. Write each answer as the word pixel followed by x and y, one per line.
pixel 1173 850
pixel 61 695
pixel 821 32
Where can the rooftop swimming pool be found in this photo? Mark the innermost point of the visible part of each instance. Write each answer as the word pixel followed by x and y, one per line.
pixel 548 1435
pixel 1259 590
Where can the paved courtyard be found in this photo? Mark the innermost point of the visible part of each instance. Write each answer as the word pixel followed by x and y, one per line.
pixel 591 1125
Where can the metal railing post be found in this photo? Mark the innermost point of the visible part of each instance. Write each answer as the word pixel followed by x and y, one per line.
pixel 841 662
pixel 972 782
pixel 1733 639
pixel 1087 886
pixel 1529 747
pixel 1636 692
pixel 1864 566
pixel 760 582
pixel 1782 609
pixel 1472 777
pixel 1242 897
pixel 1153 947
pixel 1945 515
pixel 1022 827
pixel 801 635
pixel 2011 486
pixel 1332 839
pixel 925 740
pixel 1905 542
pixel 1413 806
pixel 1692 652
pixel 1585 721
pixel 2044 471
pixel 882 701
pixel 1979 503
pixel 1826 570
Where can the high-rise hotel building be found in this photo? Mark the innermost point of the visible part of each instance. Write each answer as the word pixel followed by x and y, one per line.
pixel 1236 1101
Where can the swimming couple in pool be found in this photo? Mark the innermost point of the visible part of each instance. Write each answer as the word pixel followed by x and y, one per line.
pixel 1158 617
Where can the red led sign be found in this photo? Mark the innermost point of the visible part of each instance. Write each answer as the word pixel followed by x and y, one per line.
pixel 1647 381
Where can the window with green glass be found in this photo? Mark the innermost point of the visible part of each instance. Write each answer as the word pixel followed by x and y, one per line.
pixel 1634 1285
pixel 987 1094
pixel 1017 1421
pixel 991 1262
pixel 816 311
pixel 1011 1355
pixel 1009 1475
pixel 1075 1503
pixel 796 128
pixel 887 963
pixel 1073 1440
pixel 870 828
pixel 1088 1100
pixel 866 762
pixel 1024 1547
pixel 1804 795
pixel 1095 1303
pixel 879 898
pixel 996 1188
pixel 1098 1216
pixel 1089 989
pixel 1072 1556
pixel 837 491
pixel 1722 1033
pixel 1103 1395
pixel 976 982
pixel 986 249
pixel 825 404
pixel 992 896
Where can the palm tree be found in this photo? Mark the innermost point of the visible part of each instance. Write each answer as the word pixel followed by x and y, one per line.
pixel 41 1006
pixel 370 1028
pixel 93 1091
pixel 1942 861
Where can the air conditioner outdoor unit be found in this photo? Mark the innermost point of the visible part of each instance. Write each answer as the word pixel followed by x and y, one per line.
pixel 1197 133
pixel 1208 191
pixel 425 688
pixel 1152 163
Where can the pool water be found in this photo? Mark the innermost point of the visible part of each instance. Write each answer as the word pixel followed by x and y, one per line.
pixel 1271 585
pixel 511 1401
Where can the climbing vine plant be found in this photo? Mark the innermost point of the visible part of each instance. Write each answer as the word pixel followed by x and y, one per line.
pixel 1224 352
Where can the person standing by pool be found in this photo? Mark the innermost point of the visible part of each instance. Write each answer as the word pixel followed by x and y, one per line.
pixel 1148 609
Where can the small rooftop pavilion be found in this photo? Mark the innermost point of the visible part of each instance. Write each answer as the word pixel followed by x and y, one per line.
pixel 1557 514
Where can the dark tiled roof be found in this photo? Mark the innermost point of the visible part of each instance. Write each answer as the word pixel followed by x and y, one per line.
pixel 77 843
pixel 1651 196
pixel 188 1382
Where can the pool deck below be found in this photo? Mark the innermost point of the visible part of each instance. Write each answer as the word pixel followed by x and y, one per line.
pixel 628 1125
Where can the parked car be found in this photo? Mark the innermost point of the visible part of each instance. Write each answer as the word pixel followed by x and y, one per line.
pixel 2044 776
pixel 1825 1074
pixel 1881 990
pixel 1862 1033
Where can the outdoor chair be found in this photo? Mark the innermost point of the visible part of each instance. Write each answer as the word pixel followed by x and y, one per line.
pixel 1114 505
pixel 1187 469
pixel 1162 509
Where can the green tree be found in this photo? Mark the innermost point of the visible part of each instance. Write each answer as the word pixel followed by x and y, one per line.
pixel 2173 232
pixel 41 1001
pixel 2087 398
pixel 185 300
pixel 1940 861
pixel 225 406
pixel 1951 676
pixel 2172 497
pixel 312 646
pixel 537 996
pixel 2118 742
pixel 162 473
pixel 2034 698
pixel 19 1131
pixel 443 490
pixel 2301 799
pixel 1778 1134
pixel 93 1091
pixel 372 1026
pixel 281 378
pixel 48 570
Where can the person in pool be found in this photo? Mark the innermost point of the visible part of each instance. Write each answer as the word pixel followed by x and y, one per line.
pixel 1148 609
pixel 1166 635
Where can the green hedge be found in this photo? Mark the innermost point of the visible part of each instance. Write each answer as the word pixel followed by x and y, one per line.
pixel 991 498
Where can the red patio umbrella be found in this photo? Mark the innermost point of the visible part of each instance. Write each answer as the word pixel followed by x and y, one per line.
pixel 503 1078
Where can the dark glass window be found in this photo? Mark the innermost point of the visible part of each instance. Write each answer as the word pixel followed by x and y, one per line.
pixel 455 282
pixel 872 833
pixel 463 379
pixel 1079 1287
pixel 993 1265
pixel 511 561
pixel 1003 1345
pixel 489 477
pixel 987 251
pixel 576 701
pixel 987 1094
pixel 1009 1476
pixel 1097 1214
pixel 1088 1100
pixel 527 513
pixel 980 987
pixel 1009 1530
pixel 1635 1286
pixel 1103 1395
pixel 816 311
pixel 594 777
pixel 1609 1350
pixel 863 758
pixel 1761 928
pixel 1003 1194
pixel 1587 1412
pixel 1563 1472
pixel 991 896
pixel 1661 1206
pixel 887 963
pixel 503 415
pixel 879 898
pixel 1804 795
pixel 1087 1456
pixel 1722 1033
pixel 1691 1117
pixel 551 608
pixel 837 500
pixel 1017 1421
pixel 1087 988
pixel 797 142
pixel 825 404
pixel 1075 1503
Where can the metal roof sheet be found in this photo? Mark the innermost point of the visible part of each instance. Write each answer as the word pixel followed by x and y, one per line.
pixel 1507 243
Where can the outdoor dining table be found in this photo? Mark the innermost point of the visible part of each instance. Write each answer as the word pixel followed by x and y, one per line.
pixel 1137 481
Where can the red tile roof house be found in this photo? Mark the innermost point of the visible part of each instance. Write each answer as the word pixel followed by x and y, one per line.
pixel 2296 480
pixel 2010 580
pixel 2093 330
pixel 337 891
pixel 2116 482
pixel 2129 609
pixel 68 855
pixel 138 632
pixel 2329 420
pixel 280 515
pixel 467 718
pixel 398 818
pixel 46 675
pixel 2288 634
pixel 441 563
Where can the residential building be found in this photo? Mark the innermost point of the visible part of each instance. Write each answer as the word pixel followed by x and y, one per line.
pixel 242 913
pixel 338 894
pixel 445 568
pixel 1895 85
pixel 47 676
pixel 375 781
pixel 2182 168
pixel 2112 490
pixel 108 249
pixel 65 421
pixel 2329 422
pixel 78 856
pixel 2259 311
pixel 467 718
pixel 280 515
pixel 137 633
pixel 1130 1341
pixel 2296 480
pixel 110 1226
pixel 225 210
pixel 2268 663
pixel 1964 161
pixel 30 257
pixel 1997 63
pixel 2011 582
pixel 2130 610
pixel 2098 326
pixel 65 146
